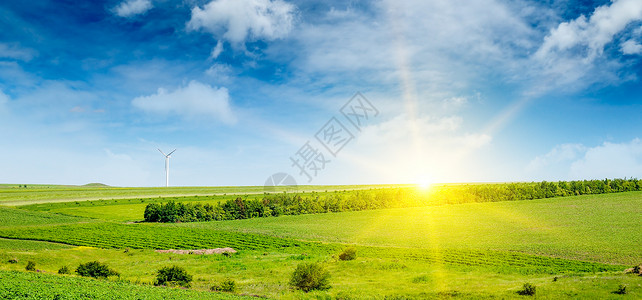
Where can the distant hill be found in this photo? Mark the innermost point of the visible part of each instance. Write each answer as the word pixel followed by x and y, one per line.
pixel 96 185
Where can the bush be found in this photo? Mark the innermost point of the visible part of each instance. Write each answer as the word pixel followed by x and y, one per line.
pixel 310 276
pixel 95 269
pixel 621 290
pixel 31 266
pixel 64 270
pixel 225 286
pixel 348 254
pixel 13 261
pixel 527 290
pixel 171 276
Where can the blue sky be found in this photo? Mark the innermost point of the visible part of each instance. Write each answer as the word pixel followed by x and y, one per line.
pixel 484 91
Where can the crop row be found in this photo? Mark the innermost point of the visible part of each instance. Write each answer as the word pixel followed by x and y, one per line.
pixel 28 285
pixel 147 236
pixel 18 217
pixel 165 236
pixel 502 261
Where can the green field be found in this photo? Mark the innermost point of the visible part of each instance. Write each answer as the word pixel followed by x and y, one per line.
pixel 569 247
pixel 13 194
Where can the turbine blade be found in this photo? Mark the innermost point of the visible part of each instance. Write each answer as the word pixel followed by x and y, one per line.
pixel 171 152
pixel 161 151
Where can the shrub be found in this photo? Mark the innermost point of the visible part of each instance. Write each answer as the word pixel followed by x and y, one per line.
pixel 527 290
pixel 95 269
pixel 348 254
pixel 310 276
pixel 64 270
pixel 13 261
pixel 31 266
pixel 225 286
pixel 621 290
pixel 173 276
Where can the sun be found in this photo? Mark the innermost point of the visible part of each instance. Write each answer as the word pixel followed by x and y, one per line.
pixel 424 182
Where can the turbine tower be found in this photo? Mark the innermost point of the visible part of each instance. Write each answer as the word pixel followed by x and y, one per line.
pixel 167 156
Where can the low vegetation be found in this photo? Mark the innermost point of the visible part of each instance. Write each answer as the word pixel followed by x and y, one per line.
pixel 228 286
pixel 310 276
pixel 569 247
pixel 621 290
pixel 64 270
pixel 173 276
pixel 31 285
pixel 95 269
pixel 349 253
pixel 31 266
pixel 527 290
pixel 274 205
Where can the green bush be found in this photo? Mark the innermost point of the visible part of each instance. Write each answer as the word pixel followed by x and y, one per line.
pixel 225 286
pixel 310 276
pixel 31 266
pixel 527 290
pixel 95 269
pixel 64 270
pixel 173 276
pixel 13 261
pixel 348 254
pixel 621 290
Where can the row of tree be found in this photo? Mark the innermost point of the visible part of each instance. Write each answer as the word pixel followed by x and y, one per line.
pixel 269 205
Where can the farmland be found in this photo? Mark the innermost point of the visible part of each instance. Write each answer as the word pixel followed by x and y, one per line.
pixel 569 247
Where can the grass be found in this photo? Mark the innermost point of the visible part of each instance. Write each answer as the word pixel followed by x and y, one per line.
pixel 22 245
pixel 465 251
pixel 147 236
pixel 22 285
pixel 12 217
pixel 372 274
pixel 603 228
pixel 13 195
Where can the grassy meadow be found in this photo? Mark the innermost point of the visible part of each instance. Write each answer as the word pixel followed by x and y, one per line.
pixel 568 247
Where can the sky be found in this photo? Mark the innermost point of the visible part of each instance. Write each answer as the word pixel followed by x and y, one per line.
pixel 328 92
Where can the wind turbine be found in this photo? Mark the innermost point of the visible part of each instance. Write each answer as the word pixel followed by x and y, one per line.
pixel 167 156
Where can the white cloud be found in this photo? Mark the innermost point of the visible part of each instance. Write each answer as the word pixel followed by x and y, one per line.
pixel 405 149
pixel 238 21
pixel 631 47
pixel 13 51
pixel 194 100
pixel 576 161
pixel 610 160
pixel 217 50
pixel 560 154
pixel 441 46
pixel 129 8
pixel 593 33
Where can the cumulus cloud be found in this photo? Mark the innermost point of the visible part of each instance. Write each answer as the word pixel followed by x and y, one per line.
pixel 610 160
pixel 577 161
pixel 593 33
pixel 560 154
pixel 130 8
pixel 424 41
pixel 631 47
pixel 194 100
pixel 238 21
pixel 404 149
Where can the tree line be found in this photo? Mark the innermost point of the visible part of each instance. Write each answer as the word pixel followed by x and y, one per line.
pixel 274 205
